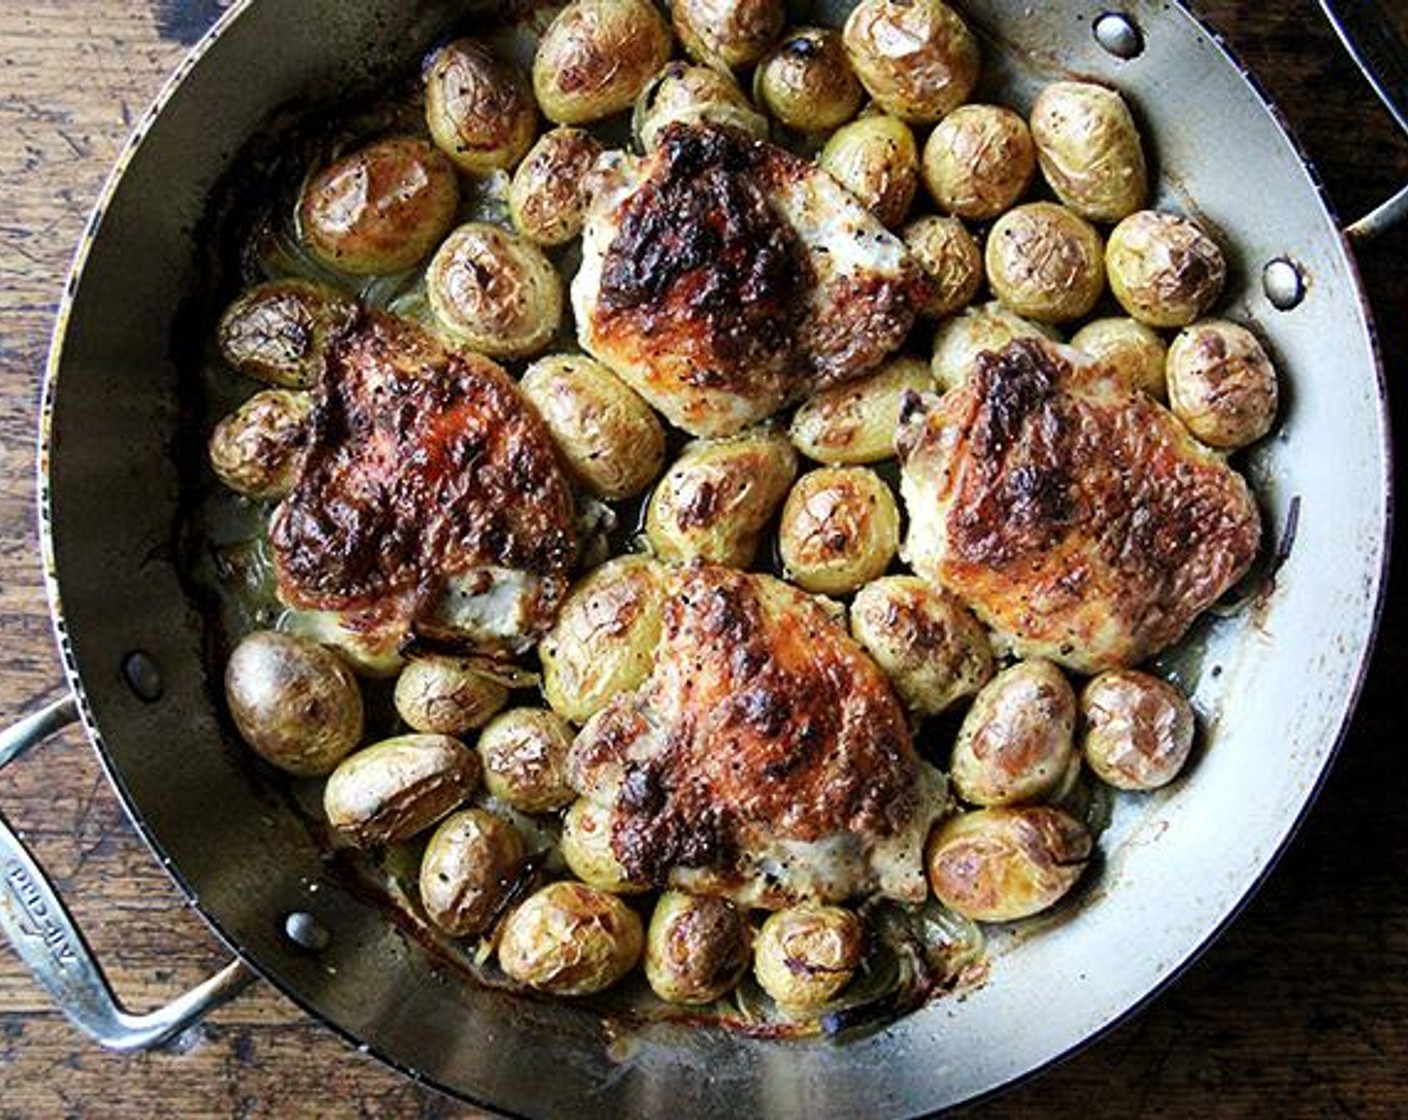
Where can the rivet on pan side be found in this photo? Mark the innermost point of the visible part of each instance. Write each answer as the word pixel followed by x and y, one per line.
pixel 143 676
pixel 306 931
pixel 1119 35
pixel 1284 283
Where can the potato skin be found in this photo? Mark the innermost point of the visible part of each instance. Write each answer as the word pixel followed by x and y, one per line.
pixel 278 332
pixel 856 422
pixel 727 34
pixel 524 754
pixel 916 58
pixel 570 940
pixel 807 82
pixel 959 341
pixel 1137 731
pixel 446 695
pixel 547 199
pixel 804 956
pixel 697 947
pixel 392 790
pixel 840 529
pixel 494 292
pixel 370 655
pixel 255 450
pixel 380 209
pixel 877 160
pixel 1045 262
pixel 1017 739
pixel 605 637
pixel 609 438
pixel 948 253
pixel 1221 384
pixel 470 868
pixel 1089 150
pixel 478 107
pixel 929 644
pixel 979 161
pixel 586 846
pixel 294 702
pixel 999 865
pixel 596 56
pixel 718 495
pixel 1129 348
pixel 692 95
pixel 1164 270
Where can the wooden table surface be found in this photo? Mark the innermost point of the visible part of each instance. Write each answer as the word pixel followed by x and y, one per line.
pixel 1301 1010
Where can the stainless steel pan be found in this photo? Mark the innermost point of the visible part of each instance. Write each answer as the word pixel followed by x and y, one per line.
pixel 1276 685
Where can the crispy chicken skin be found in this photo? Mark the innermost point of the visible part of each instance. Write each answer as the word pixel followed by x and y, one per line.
pixel 1077 517
pixel 429 501
pixel 724 278
pixel 766 756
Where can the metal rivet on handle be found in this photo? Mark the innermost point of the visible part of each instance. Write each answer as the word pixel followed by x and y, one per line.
pixel 1119 35
pixel 143 676
pixel 1284 283
pixel 306 931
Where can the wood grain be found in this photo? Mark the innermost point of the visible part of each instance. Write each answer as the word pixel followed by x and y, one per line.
pixel 1301 1010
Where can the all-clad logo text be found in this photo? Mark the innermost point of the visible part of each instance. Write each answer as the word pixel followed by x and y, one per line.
pixel 22 886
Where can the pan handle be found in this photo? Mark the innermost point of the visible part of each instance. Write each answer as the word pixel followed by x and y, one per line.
pixel 44 935
pixel 1380 55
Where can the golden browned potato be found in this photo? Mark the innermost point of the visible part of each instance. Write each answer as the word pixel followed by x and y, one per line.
pixel 877 160
pixel 1137 730
pixel 1017 739
pixel 1089 150
pixel 524 753
pixel 394 789
pixel 998 865
pixel 952 259
pixel 807 82
pixel 596 56
pixel 840 529
pixel 1128 348
pixel 255 450
pixel 856 422
pixel 447 695
pixel 375 655
pixel 1045 262
pixel 547 199
pixel 1221 384
pixel 929 644
pixel 294 702
pixel 916 58
pixel 586 846
pixel 469 871
pixel 605 637
pixel 1163 268
pixel 727 34
pixel 478 107
pixel 959 341
pixel 804 956
pixel 570 940
pixel 494 292
pixel 381 209
pixel 979 161
pixel 610 440
pixel 696 948
pixel 715 500
pixel 278 332
pixel 685 94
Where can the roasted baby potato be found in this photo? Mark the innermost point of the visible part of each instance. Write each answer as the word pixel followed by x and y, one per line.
pixel 1089 150
pixel 447 695
pixel 278 332
pixel 524 754
pixel 255 450
pixel 856 422
pixel 596 56
pixel 1137 731
pixel 586 846
pixel 804 956
pixel 479 109
pixel 547 199
pixel 294 702
pixel 715 500
pixel 1045 262
pixel 372 655
pixel 692 95
pixel 929 644
pixel 1163 268
pixel 1221 384
pixel 610 440
pixel 947 252
pixel 959 341
pixel 840 529
pixel 807 82
pixel 916 58
pixel 1018 737
pixel 979 161
pixel 469 870
pixel 697 947
pixel 570 940
pixel 605 637
pixel 494 292
pixel 998 865
pixel 727 34
pixel 1128 348
pixel 877 160
pixel 381 209
pixel 392 790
